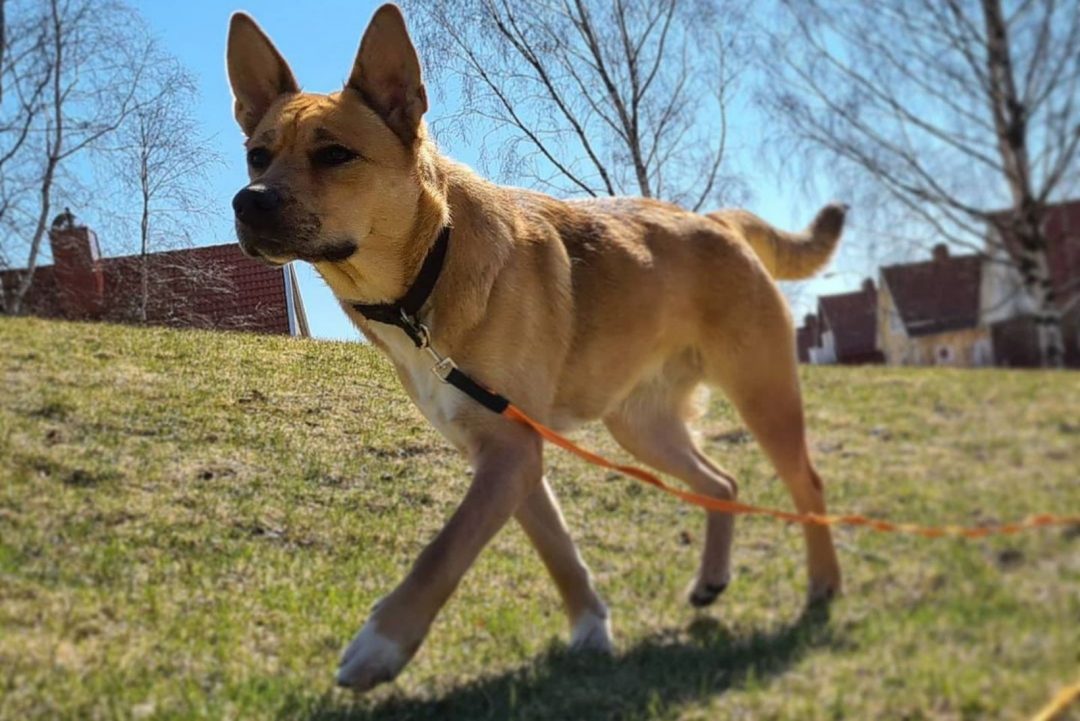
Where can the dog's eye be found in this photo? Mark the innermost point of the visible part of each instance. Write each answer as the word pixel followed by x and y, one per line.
pixel 333 155
pixel 259 158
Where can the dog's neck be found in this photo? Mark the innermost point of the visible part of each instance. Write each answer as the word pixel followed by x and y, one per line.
pixel 387 262
pixel 385 266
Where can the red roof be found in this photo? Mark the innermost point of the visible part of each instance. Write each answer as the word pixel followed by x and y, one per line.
pixel 937 295
pixel 221 287
pixel 852 318
pixel 208 287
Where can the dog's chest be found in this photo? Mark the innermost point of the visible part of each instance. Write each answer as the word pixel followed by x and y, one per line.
pixel 438 401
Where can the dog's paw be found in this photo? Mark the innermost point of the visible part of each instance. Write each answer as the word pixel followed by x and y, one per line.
pixel 822 591
pixel 703 592
pixel 592 632
pixel 370 659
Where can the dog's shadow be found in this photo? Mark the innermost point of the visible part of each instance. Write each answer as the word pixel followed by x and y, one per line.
pixel 658 673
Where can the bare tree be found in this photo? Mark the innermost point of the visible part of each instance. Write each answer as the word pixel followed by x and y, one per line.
pixel 92 57
pixel 963 112
pixel 3 41
pixel 24 78
pixel 622 97
pixel 161 158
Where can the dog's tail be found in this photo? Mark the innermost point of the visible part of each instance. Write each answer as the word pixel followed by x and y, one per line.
pixel 789 256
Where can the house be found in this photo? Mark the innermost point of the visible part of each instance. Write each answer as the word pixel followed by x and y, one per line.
pixel 844 330
pixel 929 313
pixel 967 310
pixel 208 287
pixel 1006 308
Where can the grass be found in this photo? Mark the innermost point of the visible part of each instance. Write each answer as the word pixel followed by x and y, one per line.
pixel 193 524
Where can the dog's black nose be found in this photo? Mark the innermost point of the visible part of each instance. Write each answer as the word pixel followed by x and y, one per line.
pixel 257 206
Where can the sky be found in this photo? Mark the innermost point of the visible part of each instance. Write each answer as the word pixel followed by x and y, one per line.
pixel 319 40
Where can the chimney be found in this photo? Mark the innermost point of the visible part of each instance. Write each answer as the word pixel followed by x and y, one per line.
pixel 868 286
pixel 941 252
pixel 77 268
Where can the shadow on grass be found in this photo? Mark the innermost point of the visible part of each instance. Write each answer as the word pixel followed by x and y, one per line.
pixel 660 672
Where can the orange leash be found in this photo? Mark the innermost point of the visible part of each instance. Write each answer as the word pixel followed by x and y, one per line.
pixel 1059 704
pixel 716 504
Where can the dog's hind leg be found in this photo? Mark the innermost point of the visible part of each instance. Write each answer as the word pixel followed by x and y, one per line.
pixel 543 523
pixel 758 372
pixel 651 425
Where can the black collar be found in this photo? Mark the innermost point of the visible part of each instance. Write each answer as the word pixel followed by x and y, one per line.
pixel 404 313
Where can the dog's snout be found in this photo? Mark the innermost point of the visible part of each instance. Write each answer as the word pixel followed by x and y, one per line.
pixel 257 206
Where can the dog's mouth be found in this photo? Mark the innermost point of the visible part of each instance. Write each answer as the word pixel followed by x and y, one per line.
pixel 262 252
pixel 275 253
pixel 333 253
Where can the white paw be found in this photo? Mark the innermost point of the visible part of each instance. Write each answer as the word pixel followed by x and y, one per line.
pixel 370 659
pixel 592 632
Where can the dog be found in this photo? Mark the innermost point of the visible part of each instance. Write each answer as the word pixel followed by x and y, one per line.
pixel 613 309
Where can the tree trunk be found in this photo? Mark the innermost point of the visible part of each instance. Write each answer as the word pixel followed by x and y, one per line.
pixel 1051 338
pixel 54 150
pixel 1033 262
pixel 26 279
pixel 144 272
pixel 144 235
pixel 1011 126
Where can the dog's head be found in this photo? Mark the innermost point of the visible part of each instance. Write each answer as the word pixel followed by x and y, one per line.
pixel 329 174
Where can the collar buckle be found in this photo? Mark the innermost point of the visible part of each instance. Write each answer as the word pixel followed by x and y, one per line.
pixel 443 367
pixel 416 330
pixel 421 336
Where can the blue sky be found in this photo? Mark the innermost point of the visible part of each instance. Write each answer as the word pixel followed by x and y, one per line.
pixel 319 40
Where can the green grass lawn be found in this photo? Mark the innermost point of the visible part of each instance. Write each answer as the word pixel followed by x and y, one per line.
pixel 192 525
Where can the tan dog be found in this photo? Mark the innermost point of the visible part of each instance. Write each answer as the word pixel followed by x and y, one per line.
pixel 602 309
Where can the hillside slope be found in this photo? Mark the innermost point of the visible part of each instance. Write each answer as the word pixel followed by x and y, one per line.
pixel 193 524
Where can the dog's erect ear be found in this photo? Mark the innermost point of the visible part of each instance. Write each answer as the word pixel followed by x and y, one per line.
pixel 387 73
pixel 257 72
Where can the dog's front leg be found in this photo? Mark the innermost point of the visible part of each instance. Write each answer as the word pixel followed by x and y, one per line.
pixel 508 467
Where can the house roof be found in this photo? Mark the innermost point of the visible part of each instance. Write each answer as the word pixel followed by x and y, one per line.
pixel 852 318
pixel 235 291
pixel 211 286
pixel 937 295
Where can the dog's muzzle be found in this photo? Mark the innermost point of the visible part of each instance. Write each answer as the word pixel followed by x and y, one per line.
pixel 259 221
pixel 268 230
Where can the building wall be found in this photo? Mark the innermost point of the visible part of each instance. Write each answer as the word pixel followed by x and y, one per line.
pixel 893 341
pixel 1016 341
pixel 965 348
